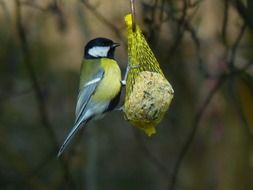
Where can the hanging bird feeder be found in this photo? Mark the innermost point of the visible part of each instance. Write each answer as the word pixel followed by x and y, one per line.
pixel 148 93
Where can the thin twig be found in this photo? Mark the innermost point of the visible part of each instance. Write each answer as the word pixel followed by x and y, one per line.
pixel 195 125
pixel 159 165
pixel 196 41
pixel 225 22
pixel 200 113
pixel 41 103
pixel 236 72
pixel 4 7
pixel 100 17
pixel 132 4
pixel 162 11
pixel 194 4
pixel 32 75
pixel 237 103
pixel 162 168
pixel 180 28
pixel 153 27
pixel 33 5
pixel 235 46
pixel 243 12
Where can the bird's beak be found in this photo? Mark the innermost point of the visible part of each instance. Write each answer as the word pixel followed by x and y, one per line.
pixel 114 45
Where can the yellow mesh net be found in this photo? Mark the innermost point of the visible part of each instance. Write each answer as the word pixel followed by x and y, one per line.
pixel 140 56
pixel 148 93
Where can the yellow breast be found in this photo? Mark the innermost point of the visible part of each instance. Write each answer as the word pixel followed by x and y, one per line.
pixel 110 85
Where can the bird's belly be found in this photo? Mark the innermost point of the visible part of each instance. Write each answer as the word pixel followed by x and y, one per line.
pixel 96 110
pixel 110 86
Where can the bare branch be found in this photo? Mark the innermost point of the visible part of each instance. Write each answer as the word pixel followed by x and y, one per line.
pixel 202 109
pixel 237 103
pixel 225 22
pixel 41 102
pixel 32 75
pixel 132 4
pixel 234 48
pixel 195 125
pixel 243 12
pixel 100 17
pixel 33 5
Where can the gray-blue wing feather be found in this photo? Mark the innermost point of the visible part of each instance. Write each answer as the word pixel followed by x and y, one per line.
pixel 83 99
pixel 86 92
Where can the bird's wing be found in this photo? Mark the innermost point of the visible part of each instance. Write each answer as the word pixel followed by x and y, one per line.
pixel 86 92
pixel 84 96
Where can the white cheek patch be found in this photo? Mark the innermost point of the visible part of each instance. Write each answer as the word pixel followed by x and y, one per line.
pixel 99 51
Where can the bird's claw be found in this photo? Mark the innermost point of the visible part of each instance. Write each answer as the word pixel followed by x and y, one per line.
pixel 123 82
pixel 129 66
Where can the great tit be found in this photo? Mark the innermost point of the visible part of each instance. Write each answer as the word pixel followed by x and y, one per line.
pixel 100 84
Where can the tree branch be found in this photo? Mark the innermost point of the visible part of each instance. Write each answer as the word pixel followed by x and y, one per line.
pixel 40 99
pixel 243 12
pixel 195 125
pixel 100 17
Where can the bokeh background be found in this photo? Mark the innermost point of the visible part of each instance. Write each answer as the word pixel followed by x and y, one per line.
pixel 205 48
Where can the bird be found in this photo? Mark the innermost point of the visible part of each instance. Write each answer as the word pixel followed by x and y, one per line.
pixel 99 87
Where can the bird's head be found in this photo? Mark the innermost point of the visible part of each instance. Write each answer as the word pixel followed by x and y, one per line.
pixel 100 48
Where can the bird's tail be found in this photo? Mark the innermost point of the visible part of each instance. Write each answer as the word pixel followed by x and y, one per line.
pixel 70 136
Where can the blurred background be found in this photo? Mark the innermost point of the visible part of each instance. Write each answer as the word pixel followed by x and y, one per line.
pixel 205 48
